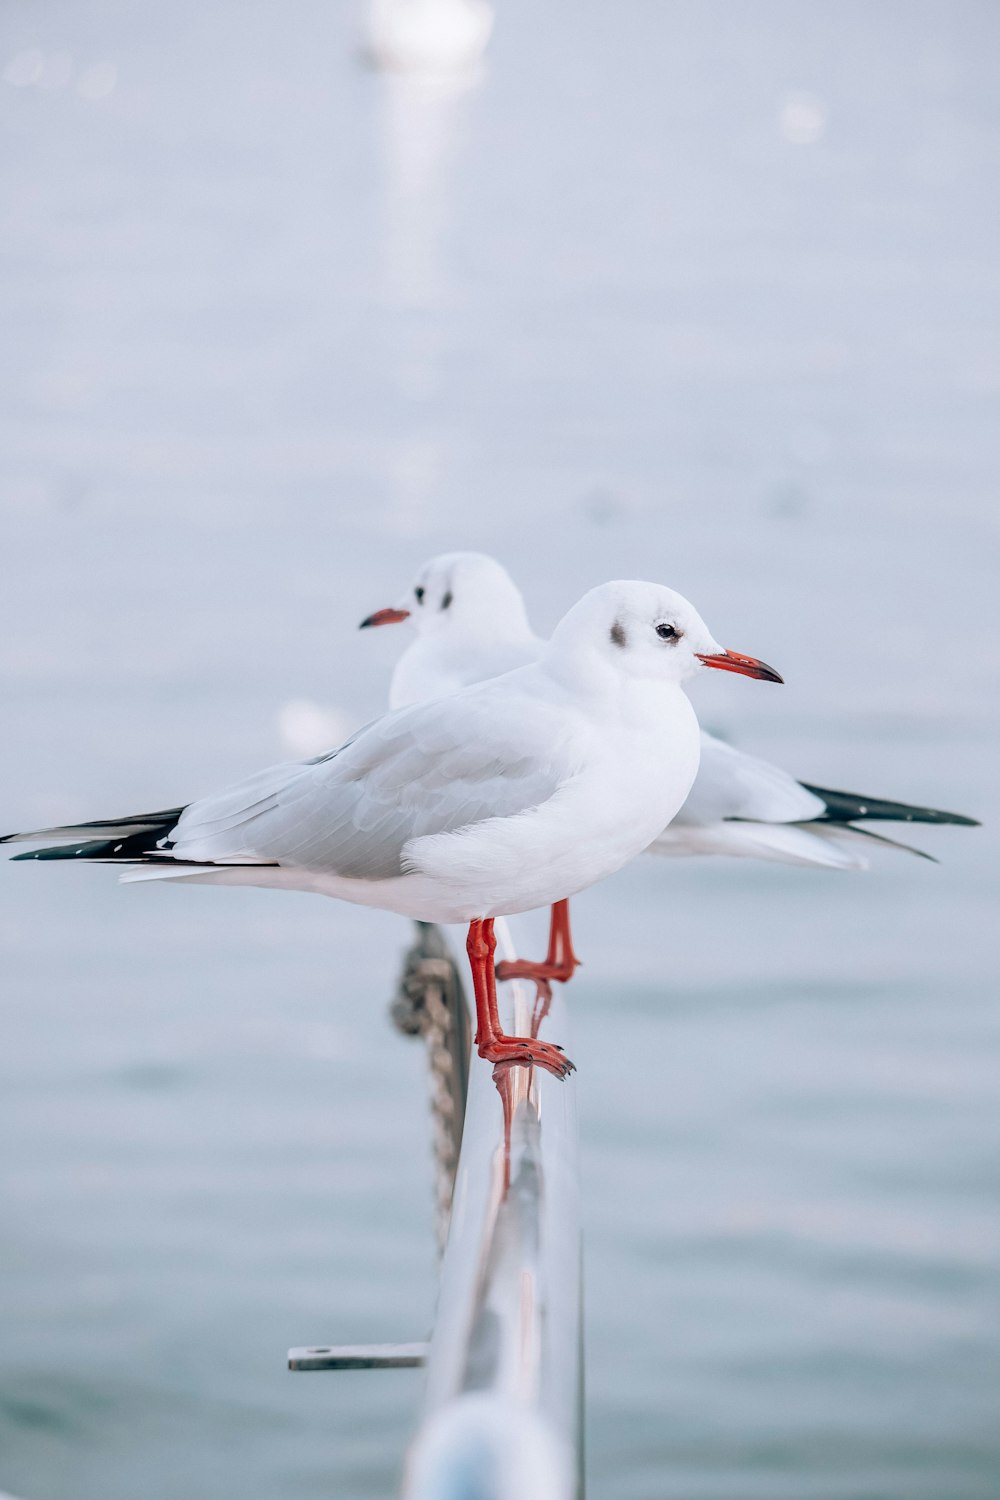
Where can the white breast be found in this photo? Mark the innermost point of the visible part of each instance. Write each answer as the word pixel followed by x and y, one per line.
pixel 628 786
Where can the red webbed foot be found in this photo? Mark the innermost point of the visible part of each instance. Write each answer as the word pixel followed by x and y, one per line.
pixel 525 1049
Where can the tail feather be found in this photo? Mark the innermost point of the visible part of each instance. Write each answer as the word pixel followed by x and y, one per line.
pixel 847 807
pixel 851 831
pixel 788 843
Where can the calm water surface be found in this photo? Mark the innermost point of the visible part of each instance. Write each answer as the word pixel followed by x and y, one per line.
pixel 677 292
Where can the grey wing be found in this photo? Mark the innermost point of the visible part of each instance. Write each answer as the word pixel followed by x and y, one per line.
pixel 731 784
pixel 433 768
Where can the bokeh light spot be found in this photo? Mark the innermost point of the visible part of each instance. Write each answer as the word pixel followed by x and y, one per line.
pixel 24 68
pixel 803 119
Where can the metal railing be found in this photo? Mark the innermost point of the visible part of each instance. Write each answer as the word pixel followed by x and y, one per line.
pixel 503 1406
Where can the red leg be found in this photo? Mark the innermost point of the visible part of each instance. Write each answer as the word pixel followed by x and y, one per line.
pixel 559 962
pixel 491 1041
pixel 542 1005
pixel 501 1077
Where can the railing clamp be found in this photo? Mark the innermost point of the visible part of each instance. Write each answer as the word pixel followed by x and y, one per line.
pixel 358 1357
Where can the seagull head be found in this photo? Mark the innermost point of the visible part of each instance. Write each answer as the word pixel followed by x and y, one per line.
pixel 643 631
pixel 460 594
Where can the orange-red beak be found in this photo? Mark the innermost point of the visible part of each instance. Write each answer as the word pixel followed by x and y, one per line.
pixel 385 617
pixel 749 666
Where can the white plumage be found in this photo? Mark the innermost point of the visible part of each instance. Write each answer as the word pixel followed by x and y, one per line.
pixel 472 623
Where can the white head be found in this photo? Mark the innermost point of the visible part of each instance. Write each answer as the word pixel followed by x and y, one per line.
pixel 461 594
pixel 643 631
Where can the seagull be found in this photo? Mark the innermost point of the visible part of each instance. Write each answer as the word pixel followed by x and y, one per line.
pixel 509 794
pixel 428 37
pixel 472 624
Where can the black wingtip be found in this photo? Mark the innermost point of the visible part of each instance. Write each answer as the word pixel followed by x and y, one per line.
pixel 64 851
pixel 850 807
pixel 121 840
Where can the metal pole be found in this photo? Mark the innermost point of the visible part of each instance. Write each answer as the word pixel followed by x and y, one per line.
pixel 502 1413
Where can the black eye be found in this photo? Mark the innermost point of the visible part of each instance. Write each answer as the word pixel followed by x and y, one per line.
pixel 666 632
pixel 418 594
pixel 446 601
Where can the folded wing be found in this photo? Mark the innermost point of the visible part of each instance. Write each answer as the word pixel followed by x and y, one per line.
pixel 433 768
pixel 742 806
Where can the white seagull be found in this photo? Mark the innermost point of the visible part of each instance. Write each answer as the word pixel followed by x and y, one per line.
pixel 428 37
pixel 472 624
pixel 510 794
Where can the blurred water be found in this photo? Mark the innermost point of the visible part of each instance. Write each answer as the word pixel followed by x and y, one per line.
pixel 682 291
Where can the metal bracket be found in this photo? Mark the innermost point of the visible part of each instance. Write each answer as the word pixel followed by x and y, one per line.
pixel 358 1357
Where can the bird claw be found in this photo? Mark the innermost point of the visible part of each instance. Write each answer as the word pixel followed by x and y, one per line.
pixel 528 1052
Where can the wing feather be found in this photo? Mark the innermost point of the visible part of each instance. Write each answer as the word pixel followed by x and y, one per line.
pixel 434 768
pixel 731 784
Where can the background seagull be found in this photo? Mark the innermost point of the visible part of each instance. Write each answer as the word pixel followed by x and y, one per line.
pixel 505 796
pixel 471 624
pixel 428 38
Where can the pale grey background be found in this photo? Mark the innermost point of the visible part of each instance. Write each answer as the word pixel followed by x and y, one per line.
pixel 274 330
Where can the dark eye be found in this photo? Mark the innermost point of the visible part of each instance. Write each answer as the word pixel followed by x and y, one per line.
pixel 666 632
pixel 446 601
pixel 418 594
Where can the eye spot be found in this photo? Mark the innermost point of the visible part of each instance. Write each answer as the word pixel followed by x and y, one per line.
pixel 618 636
pixel 446 601
pixel 418 594
pixel 667 632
